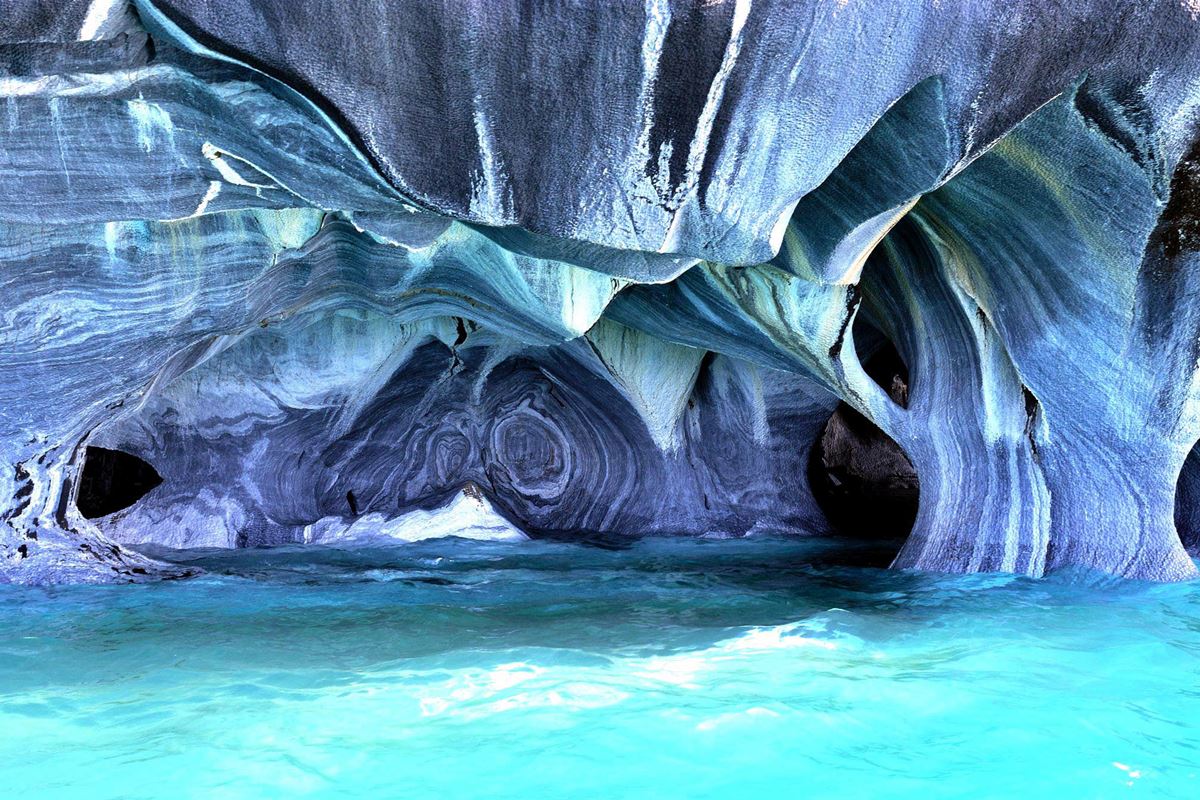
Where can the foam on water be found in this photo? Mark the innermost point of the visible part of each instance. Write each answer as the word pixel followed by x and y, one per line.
pixel 754 668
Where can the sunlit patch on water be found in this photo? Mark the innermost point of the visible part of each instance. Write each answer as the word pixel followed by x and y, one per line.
pixel 670 668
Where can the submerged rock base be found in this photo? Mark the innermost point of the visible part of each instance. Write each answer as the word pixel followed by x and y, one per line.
pixel 607 269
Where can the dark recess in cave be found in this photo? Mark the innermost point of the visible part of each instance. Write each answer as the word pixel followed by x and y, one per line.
pixel 1187 504
pixel 862 480
pixel 112 480
pixel 885 366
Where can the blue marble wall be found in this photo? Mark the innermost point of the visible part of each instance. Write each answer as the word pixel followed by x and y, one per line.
pixel 602 261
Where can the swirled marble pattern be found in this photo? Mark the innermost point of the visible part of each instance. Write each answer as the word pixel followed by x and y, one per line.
pixel 604 267
pixel 274 435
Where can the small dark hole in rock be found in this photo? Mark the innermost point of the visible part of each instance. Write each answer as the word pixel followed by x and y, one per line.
pixel 1187 504
pixel 885 365
pixel 888 370
pixel 112 480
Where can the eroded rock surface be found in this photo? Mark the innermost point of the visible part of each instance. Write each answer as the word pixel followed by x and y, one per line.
pixel 609 266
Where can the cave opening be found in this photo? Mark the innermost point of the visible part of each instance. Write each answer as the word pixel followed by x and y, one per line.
pixel 1187 503
pixel 112 480
pixel 861 478
pixel 885 365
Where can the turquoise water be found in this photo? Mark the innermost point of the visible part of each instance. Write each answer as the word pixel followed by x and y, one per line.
pixel 724 669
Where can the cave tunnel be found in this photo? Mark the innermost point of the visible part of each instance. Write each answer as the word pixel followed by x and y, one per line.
pixel 862 480
pixel 112 480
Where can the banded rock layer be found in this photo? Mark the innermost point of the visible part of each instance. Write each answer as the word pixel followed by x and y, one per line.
pixel 606 268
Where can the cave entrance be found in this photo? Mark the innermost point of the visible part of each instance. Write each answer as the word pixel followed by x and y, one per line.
pixel 1187 504
pixel 112 480
pixel 862 480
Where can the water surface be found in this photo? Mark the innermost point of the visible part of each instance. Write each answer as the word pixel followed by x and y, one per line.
pixel 671 668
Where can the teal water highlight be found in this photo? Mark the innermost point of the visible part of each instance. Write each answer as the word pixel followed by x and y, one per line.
pixel 671 668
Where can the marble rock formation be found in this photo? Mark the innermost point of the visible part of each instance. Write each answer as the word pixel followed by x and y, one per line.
pixel 331 272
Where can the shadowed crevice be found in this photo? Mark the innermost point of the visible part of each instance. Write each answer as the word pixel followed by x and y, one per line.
pixel 1187 504
pixel 885 365
pixel 862 480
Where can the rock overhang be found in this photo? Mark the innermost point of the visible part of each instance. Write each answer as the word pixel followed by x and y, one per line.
pixel 570 286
